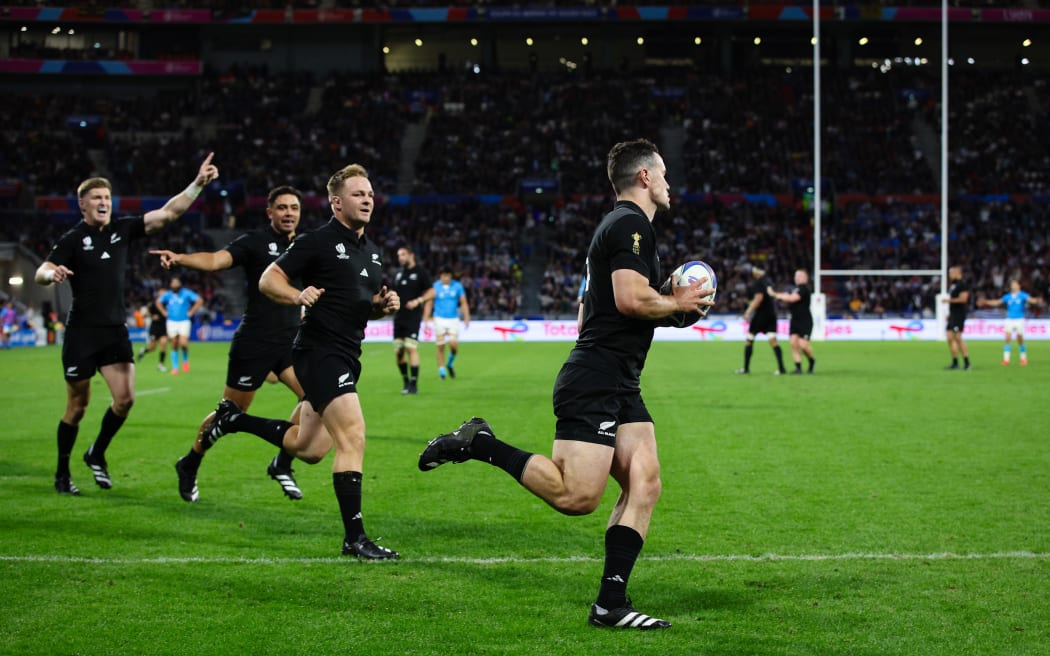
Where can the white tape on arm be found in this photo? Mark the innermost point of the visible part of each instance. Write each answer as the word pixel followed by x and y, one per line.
pixel 193 190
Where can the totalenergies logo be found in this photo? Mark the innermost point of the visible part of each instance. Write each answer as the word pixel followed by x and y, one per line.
pixel 514 333
pixel 911 331
pixel 715 331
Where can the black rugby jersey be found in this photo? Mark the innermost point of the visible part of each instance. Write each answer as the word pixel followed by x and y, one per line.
pixel 957 311
pixel 350 270
pixel 611 341
pixel 411 284
pixel 800 308
pixel 98 258
pixel 263 319
pixel 766 309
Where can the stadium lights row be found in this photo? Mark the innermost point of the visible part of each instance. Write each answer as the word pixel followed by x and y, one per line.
pixel 529 41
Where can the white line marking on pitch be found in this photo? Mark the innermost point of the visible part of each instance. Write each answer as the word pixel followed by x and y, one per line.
pixel 229 560
pixel 159 390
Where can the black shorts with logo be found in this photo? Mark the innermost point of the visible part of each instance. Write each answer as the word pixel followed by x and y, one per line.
pixel 250 361
pixel 766 324
pixel 406 329
pixel 955 324
pixel 86 349
pixel 325 374
pixel 590 405
pixel 801 327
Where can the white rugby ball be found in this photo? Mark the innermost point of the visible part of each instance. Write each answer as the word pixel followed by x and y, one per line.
pixel 684 276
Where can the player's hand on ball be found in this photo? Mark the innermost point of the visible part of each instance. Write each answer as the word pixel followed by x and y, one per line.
pixel 309 296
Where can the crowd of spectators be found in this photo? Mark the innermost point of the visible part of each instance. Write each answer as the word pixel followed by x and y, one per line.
pixel 486 132
pixel 234 6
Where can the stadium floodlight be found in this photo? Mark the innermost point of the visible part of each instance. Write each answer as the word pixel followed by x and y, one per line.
pixel 474 42
pixel 529 41
pixel 696 41
pixel 863 41
pixel 918 40
pixel 758 40
pixel 641 41
pixel 15 281
pixel 1026 43
pixel 419 43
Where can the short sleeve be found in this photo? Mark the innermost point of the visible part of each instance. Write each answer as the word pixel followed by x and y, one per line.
pixel 296 258
pixel 134 227
pixel 629 244
pixel 239 249
pixel 62 252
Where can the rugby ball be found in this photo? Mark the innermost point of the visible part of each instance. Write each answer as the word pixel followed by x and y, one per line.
pixel 684 276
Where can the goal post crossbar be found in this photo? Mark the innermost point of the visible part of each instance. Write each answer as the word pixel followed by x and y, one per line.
pixel 880 272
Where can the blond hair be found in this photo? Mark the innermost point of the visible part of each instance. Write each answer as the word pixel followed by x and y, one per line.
pixel 93 183
pixel 335 183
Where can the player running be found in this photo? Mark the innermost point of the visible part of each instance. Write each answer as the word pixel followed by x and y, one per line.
pixel 262 345
pixel 604 428
pixel 412 282
pixel 1016 303
pixel 341 271
pixel 93 256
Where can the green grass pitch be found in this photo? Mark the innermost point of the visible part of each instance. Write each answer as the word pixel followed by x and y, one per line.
pixel 881 506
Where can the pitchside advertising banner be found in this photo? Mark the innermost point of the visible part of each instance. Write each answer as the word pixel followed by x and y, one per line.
pixel 714 329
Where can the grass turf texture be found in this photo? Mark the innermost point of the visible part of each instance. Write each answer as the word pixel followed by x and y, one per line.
pixel 882 506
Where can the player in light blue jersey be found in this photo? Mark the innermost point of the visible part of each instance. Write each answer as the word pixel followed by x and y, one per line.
pixel 1016 303
pixel 178 305
pixel 446 308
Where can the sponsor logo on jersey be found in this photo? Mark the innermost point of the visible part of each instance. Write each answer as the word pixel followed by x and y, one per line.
pixel 273 247
pixel 364 273
pixel 637 247
pixel 88 246
pixel 105 255
pixel 340 249
pixel 114 239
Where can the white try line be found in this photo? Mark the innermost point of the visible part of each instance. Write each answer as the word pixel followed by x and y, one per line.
pixel 702 558
pixel 159 390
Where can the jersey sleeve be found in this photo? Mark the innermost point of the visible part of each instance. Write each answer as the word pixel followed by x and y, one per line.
pixel 629 244
pixel 165 298
pixel 62 252
pixel 193 296
pixel 296 258
pixel 425 281
pixel 239 249
pixel 134 227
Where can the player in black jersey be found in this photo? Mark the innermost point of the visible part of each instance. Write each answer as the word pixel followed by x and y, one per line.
pixel 761 316
pixel 412 282
pixel 263 342
pixel 801 320
pixel 93 256
pixel 958 304
pixel 158 334
pixel 604 428
pixel 341 270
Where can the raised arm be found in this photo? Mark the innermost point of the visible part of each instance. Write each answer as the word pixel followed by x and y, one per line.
pixel 179 203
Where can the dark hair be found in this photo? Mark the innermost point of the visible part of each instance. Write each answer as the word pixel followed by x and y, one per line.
pixel 447 268
pixel 407 247
pixel 271 197
pixel 626 158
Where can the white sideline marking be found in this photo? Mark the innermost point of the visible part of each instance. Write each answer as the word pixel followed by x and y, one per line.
pixel 229 560
pixel 159 390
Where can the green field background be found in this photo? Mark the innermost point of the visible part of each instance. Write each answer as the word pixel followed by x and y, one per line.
pixel 880 506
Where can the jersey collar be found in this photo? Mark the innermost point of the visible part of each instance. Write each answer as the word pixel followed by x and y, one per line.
pixel 629 204
pixel 348 234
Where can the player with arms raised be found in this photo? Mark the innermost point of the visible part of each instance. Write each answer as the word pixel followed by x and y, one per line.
pixel 603 428
pixel 93 256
